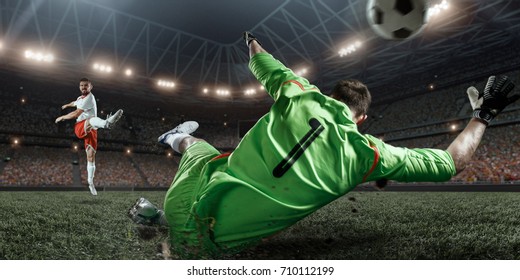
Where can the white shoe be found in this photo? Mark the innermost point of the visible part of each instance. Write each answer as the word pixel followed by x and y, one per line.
pixel 112 119
pixel 92 189
pixel 187 127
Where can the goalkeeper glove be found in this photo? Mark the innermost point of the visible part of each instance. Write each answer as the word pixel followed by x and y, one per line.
pixel 486 106
pixel 248 37
pixel 143 212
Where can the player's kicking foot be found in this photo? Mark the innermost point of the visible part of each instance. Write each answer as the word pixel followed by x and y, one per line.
pixel 112 119
pixel 92 188
pixel 186 127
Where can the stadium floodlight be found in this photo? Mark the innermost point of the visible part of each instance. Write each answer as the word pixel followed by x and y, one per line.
pixel 438 8
pixel 39 56
pixel 250 91
pixel 102 67
pixel 205 90
pixel 223 92
pixel 301 72
pixel 128 72
pixel 350 49
pixel 165 84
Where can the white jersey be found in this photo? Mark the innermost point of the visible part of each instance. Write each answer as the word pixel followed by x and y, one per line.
pixel 88 105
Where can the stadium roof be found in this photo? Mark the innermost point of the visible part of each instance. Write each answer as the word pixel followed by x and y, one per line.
pixel 198 43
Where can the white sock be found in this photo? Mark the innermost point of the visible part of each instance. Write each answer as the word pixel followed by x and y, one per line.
pixel 174 140
pixel 96 122
pixel 91 169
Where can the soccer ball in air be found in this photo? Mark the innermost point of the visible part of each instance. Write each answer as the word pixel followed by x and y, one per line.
pixel 397 19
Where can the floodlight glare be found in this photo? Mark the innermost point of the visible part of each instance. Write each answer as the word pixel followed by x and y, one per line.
pixel 128 72
pixel 301 72
pixel 438 8
pixel 166 84
pixel 349 49
pixel 223 92
pixel 39 56
pixel 250 91
pixel 102 67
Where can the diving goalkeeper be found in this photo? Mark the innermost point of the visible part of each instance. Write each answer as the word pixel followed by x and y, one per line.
pixel 303 154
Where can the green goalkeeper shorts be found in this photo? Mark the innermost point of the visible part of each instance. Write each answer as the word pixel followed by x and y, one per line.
pixel 180 197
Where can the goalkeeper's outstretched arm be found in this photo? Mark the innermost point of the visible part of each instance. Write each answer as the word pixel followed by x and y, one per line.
pixel 466 143
pixel 486 107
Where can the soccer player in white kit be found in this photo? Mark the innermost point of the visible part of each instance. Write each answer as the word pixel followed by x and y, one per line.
pixel 87 124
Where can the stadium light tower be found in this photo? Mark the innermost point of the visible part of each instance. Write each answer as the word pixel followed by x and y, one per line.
pixel 350 49
pixel 102 67
pixel 250 91
pixel 165 84
pixel 39 56
pixel 438 9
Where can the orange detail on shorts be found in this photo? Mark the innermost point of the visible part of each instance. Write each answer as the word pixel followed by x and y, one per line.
pixel 90 137
pixel 221 156
pixel 376 160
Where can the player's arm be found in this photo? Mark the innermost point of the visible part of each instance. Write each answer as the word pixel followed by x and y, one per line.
pixel 432 165
pixel 466 143
pixel 72 115
pixel 254 45
pixel 68 105
pixel 486 107
pixel 271 73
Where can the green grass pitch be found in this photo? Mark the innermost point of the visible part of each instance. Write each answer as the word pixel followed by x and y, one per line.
pixel 47 225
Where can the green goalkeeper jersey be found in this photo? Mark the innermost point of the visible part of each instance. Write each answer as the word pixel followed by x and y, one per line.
pixel 303 154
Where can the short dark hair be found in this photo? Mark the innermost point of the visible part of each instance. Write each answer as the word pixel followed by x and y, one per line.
pixel 84 80
pixel 353 93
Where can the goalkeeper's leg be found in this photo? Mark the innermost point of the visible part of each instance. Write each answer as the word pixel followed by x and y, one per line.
pixel 143 212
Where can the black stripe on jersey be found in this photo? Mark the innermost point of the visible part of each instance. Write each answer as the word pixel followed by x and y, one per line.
pixel 299 148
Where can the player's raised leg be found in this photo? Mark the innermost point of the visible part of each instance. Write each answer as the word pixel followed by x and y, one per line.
pixel 107 123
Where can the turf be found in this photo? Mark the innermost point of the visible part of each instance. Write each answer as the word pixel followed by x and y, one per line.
pixel 360 225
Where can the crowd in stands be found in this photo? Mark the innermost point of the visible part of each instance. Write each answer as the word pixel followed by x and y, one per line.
pixel 428 107
pixel 158 170
pixel 38 166
pixel 112 169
